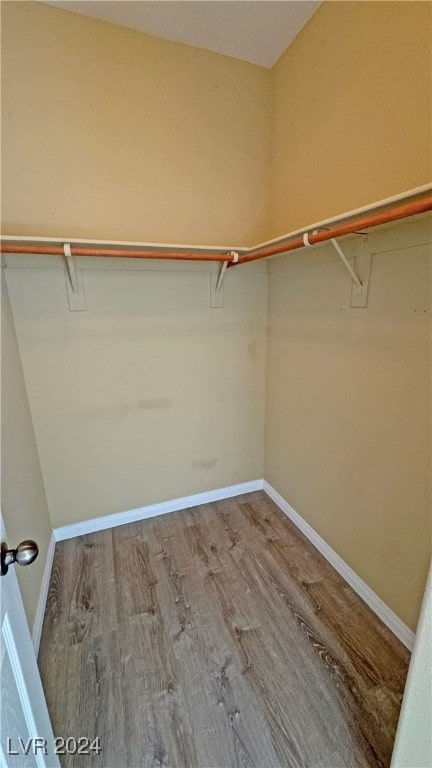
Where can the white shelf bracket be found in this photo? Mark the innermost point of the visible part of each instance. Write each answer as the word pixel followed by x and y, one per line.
pixel 70 267
pixel 74 282
pixel 221 275
pixel 363 263
pixel 216 280
pixel 361 274
pixel 355 278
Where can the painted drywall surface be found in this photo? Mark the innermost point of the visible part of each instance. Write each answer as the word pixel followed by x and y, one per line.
pixel 413 745
pixel 351 111
pixel 150 394
pixel 137 138
pixel 23 501
pixel 348 412
pixel 109 133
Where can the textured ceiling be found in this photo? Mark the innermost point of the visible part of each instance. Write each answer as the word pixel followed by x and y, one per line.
pixel 255 31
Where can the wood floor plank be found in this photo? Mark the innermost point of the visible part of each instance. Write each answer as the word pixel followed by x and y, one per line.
pixel 373 649
pixel 153 700
pixel 356 649
pixel 81 626
pixel 212 638
pixel 217 695
pixel 275 652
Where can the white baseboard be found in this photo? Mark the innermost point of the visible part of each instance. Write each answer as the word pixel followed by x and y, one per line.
pixel 43 594
pixel 405 635
pixel 142 513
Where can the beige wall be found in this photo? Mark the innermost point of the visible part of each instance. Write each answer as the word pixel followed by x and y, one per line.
pixel 347 437
pixel 148 395
pixel 109 133
pixel 23 501
pixel 351 111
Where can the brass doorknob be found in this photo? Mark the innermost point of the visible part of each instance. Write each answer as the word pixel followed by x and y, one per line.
pixel 24 554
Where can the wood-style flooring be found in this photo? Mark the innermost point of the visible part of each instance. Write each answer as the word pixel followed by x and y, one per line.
pixel 216 637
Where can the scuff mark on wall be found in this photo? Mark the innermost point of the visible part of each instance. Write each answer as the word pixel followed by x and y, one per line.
pixel 253 349
pixel 154 403
pixel 204 464
pixel 121 410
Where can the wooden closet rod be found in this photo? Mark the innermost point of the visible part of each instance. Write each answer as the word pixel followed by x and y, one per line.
pixel 320 235
pixel 310 236
pixel 118 253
